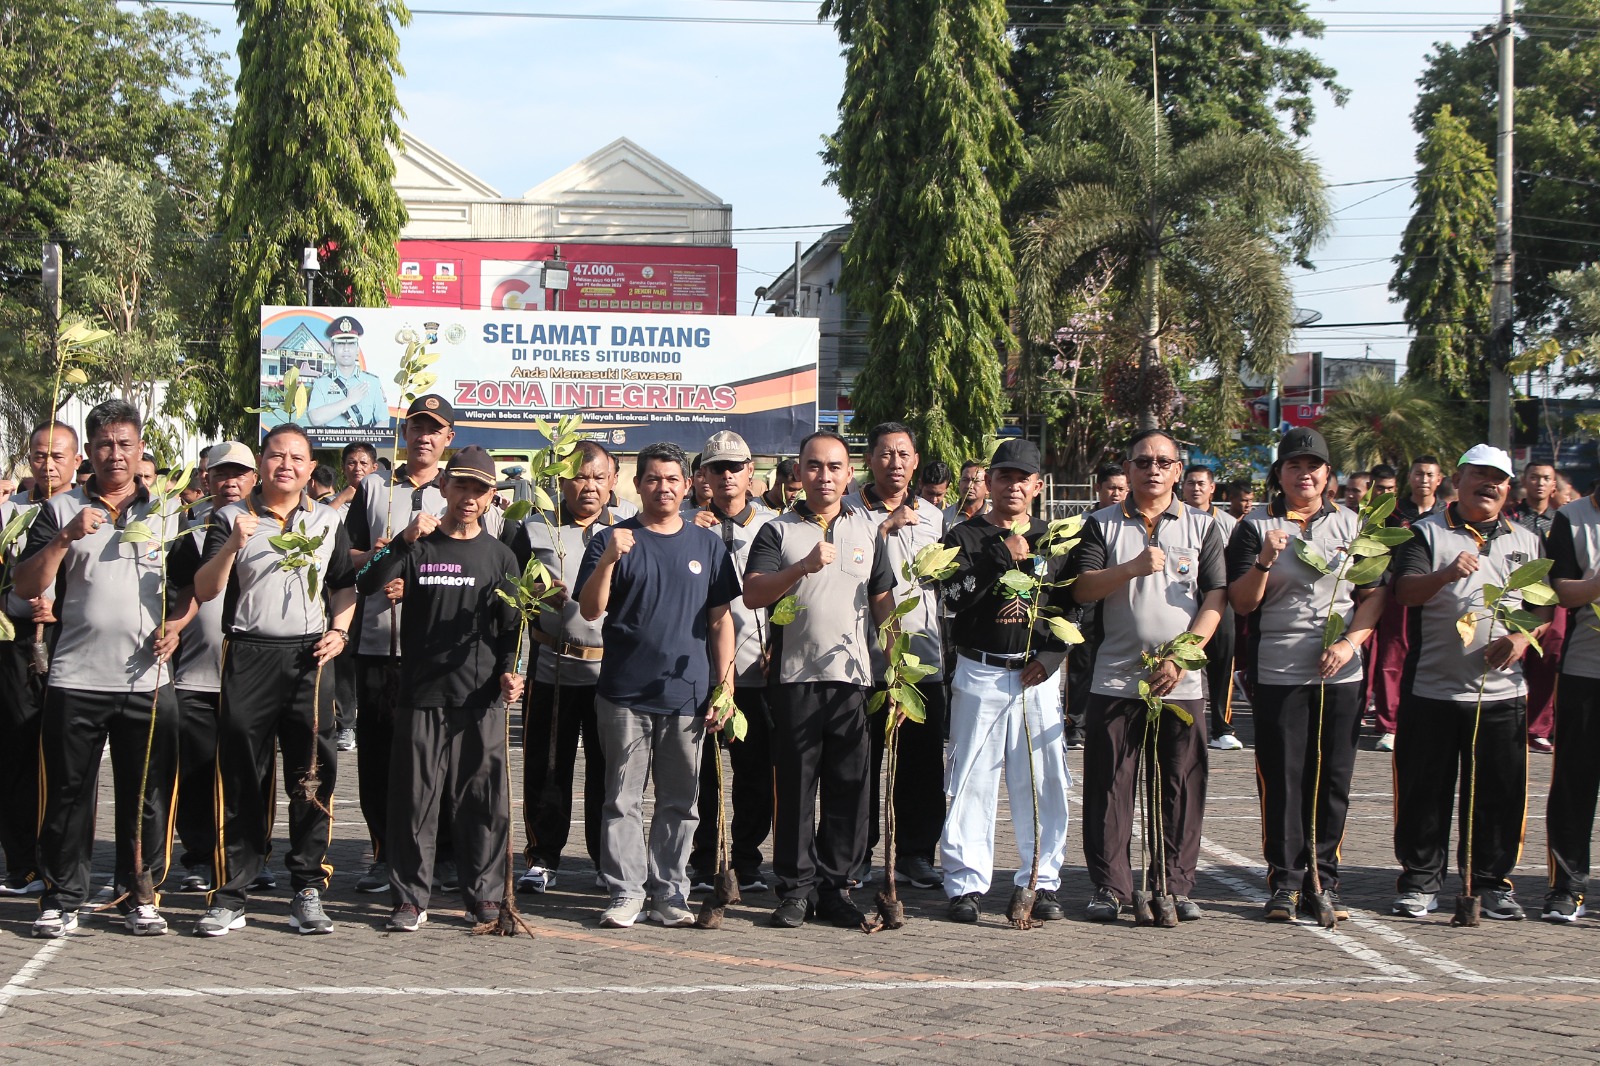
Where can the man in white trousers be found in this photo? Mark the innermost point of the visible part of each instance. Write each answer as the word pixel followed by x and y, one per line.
pixel 1004 690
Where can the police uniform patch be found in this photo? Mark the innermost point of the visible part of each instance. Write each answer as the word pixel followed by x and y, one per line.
pixel 858 555
pixel 694 566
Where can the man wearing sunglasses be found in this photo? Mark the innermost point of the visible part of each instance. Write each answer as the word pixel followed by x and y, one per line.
pixel 1155 566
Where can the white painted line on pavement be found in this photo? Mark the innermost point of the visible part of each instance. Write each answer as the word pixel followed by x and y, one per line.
pixel 1365 921
pixel 277 992
pixel 20 981
pixel 1347 944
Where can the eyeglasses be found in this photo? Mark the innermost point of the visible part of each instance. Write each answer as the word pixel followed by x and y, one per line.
pixel 1145 462
pixel 723 468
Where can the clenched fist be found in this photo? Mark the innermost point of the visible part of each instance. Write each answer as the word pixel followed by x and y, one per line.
pixel 84 523
pixel 1150 561
pixel 1277 541
pixel 621 544
pixel 1465 565
pixel 244 527
pixel 1017 545
pixel 423 524
pixel 821 556
pixel 705 519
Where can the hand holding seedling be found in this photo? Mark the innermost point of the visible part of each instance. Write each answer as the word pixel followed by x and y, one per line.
pixel 510 688
pixel 1017 545
pixel 1504 652
pixel 1335 656
pixel 328 648
pixel 423 524
pixel 1164 677
pixel 44 611
pixel 395 590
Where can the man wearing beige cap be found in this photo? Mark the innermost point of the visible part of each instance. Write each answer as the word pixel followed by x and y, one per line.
pixel 1461 697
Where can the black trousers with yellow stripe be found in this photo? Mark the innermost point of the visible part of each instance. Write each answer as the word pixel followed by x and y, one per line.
pixel 1432 761
pixel 1574 783
pixel 1286 770
pixel 272 691
pixel 76 725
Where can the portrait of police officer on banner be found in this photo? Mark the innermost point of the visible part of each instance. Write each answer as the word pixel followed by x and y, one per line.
pixel 348 397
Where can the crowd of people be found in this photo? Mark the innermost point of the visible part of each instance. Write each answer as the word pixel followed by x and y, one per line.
pixel 248 629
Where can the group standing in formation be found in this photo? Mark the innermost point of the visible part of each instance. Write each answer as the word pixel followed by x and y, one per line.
pixel 232 641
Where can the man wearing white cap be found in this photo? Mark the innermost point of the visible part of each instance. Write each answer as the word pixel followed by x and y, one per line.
pixel 1458 695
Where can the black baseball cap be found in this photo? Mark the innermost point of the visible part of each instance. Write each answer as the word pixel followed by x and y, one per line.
pixel 1302 440
pixel 434 406
pixel 474 463
pixel 1015 453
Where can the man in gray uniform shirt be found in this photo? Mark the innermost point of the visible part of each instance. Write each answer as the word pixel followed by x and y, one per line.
pixel 1199 490
pixel 563 637
pixel 103 673
pixel 1440 574
pixel 827 554
pixel 1155 566
pixel 277 680
pixel 198 673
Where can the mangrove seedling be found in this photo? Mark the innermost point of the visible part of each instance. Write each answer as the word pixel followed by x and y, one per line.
pixel 1187 652
pixel 725 886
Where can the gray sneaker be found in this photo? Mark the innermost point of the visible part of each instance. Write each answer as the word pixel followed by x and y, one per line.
pixel 1501 904
pixel 622 913
pixel 1415 904
pixel 406 919
pixel 306 914
pixel 376 879
pixel 145 920
pixel 219 921
pixel 918 873
pixel 671 912
pixel 345 739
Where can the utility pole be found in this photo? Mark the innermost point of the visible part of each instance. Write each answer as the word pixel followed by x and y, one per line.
pixel 1500 309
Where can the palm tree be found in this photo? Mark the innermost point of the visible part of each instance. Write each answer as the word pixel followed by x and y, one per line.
pixel 1375 420
pixel 1203 232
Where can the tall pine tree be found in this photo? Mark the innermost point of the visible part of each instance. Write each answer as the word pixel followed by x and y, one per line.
pixel 1444 271
pixel 308 161
pixel 926 153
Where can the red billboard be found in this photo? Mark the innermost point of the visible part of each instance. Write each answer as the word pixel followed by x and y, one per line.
pixel 505 276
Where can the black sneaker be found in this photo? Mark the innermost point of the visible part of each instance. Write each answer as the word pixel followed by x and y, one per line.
pixel 445 877
pixel 752 882
pixel 840 909
pixel 264 882
pixel 1074 740
pixel 1046 908
pixel 965 908
pixel 1562 907
pixel 1308 909
pixel 792 913
pixel 1103 906
pixel 1282 906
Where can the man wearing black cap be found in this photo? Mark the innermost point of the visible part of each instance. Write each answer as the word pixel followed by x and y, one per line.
pixel 347 396
pixel 459 641
pixel 1005 696
pixel 384 505
pixel 1155 566
pixel 275 690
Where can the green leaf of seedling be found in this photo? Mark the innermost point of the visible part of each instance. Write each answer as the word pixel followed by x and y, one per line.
pixel 1492 594
pixel 906 606
pixel 1178 712
pixel 1388 536
pixel 8 631
pixel 785 611
pixel 136 533
pixel 1310 556
pixel 542 500
pixel 1059 548
pixel 311 582
pixel 1379 510
pixel 1367 570
pixel 933 562
pixel 75 375
pixel 284 542
pixel 1539 595
pixel 1064 630
pixel 1332 630
pixel 1018 582
pixel 737 727
pixel 517 512
pixel 875 704
pixel 17 526
pixel 1144 690
pixel 1530 572
pixel 1019 526
pixel 511 601
pixel 909 700
pixel 400 378
pixel 1467 627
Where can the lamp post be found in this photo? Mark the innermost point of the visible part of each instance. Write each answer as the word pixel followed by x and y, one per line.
pixel 310 266
pixel 557 275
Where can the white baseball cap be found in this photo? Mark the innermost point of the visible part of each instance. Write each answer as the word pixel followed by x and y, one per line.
pixel 1487 455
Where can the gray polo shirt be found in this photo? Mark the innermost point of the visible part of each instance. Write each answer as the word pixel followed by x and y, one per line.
pixel 1574 545
pixel 537 535
pixel 1286 630
pixel 1226 521
pixel 1146 612
pixel 1438 666
pixel 738 532
pixel 263 599
pixel 108 594
pixel 380 510
pixel 15 606
pixel 902 546
pixel 830 639
pixel 199 663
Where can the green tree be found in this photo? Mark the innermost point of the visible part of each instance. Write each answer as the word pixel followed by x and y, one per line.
pixel 1373 420
pixel 308 163
pixel 1447 258
pixel 1198 237
pixel 1557 152
pixel 1226 65
pixel 925 155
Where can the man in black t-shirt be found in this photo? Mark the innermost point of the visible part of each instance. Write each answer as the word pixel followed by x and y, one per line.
pixel 458 642
pixel 1005 696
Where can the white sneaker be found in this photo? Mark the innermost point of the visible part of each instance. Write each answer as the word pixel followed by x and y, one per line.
pixel 1226 742
pixel 54 923
pixel 622 913
pixel 145 920
pixel 19 887
pixel 672 912
pixel 536 879
pixel 1385 743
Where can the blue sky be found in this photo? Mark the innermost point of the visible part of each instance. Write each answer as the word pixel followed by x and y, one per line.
pixel 742 109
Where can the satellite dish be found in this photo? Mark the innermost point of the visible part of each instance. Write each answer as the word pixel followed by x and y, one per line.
pixel 1304 317
pixel 1252 380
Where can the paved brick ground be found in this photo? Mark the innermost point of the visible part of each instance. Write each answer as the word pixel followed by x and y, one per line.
pixel 1227 989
